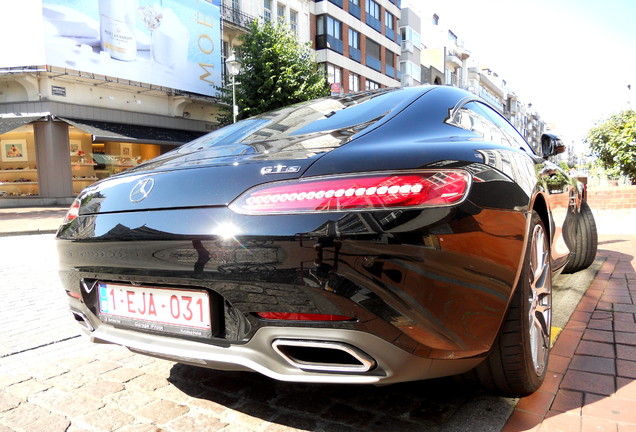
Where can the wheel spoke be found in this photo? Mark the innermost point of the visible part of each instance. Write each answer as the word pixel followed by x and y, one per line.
pixel 540 299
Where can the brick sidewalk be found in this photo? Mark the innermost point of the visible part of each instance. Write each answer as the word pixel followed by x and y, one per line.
pixel 592 371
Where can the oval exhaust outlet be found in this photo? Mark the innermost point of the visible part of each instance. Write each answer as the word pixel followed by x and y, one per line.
pixel 325 356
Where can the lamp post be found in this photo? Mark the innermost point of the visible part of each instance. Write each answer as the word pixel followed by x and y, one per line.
pixel 233 68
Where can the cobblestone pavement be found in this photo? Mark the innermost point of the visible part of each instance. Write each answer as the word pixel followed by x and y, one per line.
pixel 52 379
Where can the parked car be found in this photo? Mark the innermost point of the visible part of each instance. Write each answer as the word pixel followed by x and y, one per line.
pixel 379 237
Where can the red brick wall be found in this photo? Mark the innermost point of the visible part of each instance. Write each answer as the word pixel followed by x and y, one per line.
pixel 612 197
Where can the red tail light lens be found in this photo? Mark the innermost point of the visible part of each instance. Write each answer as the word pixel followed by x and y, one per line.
pixel 293 316
pixel 356 192
pixel 73 212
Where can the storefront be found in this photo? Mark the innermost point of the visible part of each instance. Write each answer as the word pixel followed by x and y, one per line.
pixel 48 160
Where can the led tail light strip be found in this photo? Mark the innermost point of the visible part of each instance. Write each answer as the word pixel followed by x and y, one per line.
pixel 356 192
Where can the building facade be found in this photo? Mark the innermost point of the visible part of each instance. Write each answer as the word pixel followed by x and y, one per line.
pixel 356 41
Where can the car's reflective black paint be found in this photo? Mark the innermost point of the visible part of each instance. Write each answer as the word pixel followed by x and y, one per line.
pixel 427 289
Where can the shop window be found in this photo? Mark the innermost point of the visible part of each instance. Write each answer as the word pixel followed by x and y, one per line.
pixel 18 167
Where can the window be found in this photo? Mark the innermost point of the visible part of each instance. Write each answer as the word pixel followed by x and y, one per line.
pixel 411 69
pixel 280 13
pixel 435 19
pixel 355 2
pixel 452 37
pixel 373 9
pixel 354 82
pixel 390 58
pixel 371 85
pixel 388 20
pixel 329 33
pixel 373 55
pixel 354 39
pixel 373 16
pixel 293 20
pixel 267 10
pixel 373 49
pixel 334 28
pixel 334 74
pixel 410 35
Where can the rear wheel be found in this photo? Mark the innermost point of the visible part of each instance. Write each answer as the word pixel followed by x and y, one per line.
pixel 584 240
pixel 518 360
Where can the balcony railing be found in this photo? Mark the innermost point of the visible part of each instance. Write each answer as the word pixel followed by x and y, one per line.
pixel 374 63
pixel 354 10
pixel 374 23
pixel 236 17
pixel 390 71
pixel 390 33
pixel 355 54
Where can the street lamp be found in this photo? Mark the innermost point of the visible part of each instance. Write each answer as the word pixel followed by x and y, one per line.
pixel 233 68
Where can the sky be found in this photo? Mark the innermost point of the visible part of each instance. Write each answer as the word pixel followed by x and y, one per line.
pixel 572 59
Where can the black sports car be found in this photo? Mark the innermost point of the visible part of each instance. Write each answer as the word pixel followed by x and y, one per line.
pixel 378 237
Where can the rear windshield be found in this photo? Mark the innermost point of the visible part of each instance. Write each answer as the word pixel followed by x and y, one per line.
pixel 349 114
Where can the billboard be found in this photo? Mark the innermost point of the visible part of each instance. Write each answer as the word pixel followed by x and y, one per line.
pixel 169 43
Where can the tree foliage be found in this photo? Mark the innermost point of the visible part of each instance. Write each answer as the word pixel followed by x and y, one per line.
pixel 614 142
pixel 277 71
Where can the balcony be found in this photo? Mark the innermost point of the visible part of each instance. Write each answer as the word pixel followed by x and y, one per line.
pixel 236 17
pixel 354 10
pixel 374 63
pixel 407 46
pixel 329 42
pixel 375 24
pixel 406 80
pixel 355 54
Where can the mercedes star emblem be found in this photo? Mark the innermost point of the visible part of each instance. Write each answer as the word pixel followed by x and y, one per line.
pixel 141 190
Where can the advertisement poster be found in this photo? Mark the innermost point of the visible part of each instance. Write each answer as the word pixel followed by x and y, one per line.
pixel 170 43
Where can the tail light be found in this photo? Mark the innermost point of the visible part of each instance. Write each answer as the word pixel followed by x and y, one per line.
pixel 72 212
pixel 296 316
pixel 370 191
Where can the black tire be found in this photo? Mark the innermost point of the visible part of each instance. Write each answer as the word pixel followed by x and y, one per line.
pixel 518 360
pixel 582 240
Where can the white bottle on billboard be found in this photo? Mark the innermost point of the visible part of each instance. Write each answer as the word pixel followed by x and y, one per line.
pixel 117 28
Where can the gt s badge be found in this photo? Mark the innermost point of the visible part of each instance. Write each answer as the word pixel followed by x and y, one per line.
pixel 280 169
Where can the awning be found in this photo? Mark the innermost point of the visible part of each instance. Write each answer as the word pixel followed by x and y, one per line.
pixel 106 131
pixel 7 124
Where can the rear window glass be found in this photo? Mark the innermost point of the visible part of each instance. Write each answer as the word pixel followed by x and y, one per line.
pixel 353 113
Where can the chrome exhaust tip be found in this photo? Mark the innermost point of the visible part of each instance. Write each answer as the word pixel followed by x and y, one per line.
pixel 82 320
pixel 324 356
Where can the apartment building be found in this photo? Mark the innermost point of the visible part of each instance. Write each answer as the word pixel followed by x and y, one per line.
pixel 356 41
pixel 411 49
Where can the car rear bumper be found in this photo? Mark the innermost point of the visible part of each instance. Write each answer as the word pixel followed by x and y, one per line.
pixel 332 355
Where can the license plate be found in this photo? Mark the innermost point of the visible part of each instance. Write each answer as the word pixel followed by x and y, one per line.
pixel 176 311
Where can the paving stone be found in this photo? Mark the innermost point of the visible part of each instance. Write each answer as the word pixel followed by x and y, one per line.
pixel 626 368
pixel 588 382
pixel 147 382
pixel 132 400
pixel 50 423
pixel 613 409
pixel 599 365
pixel 25 389
pixel 595 349
pixel 66 403
pixel 23 416
pixel 626 352
pixel 100 389
pixel 162 411
pixel 121 374
pixel 196 422
pixel 7 380
pixel 106 419
pixel 8 402
pixel 566 400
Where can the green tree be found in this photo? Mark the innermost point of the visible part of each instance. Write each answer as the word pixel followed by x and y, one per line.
pixel 277 71
pixel 614 142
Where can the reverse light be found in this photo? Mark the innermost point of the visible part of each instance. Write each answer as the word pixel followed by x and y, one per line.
pixel 72 212
pixel 295 316
pixel 356 192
